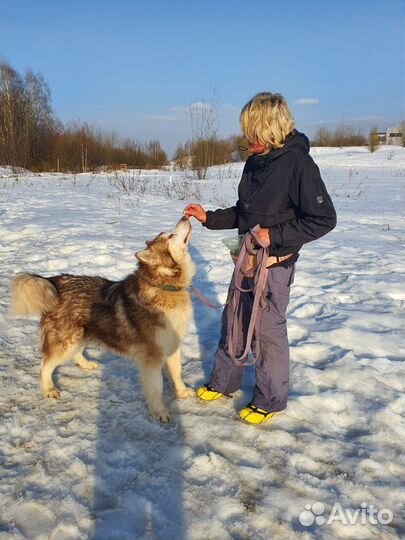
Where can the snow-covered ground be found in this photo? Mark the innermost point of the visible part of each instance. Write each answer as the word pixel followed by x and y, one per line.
pixel 95 464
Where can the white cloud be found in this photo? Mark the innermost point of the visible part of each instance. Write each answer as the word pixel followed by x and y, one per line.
pixel 162 118
pixel 201 106
pixel 177 109
pixel 307 101
pixel 355 120
pixel 369 118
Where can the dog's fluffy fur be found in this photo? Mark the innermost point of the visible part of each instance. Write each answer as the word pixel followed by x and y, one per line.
pixel 143 317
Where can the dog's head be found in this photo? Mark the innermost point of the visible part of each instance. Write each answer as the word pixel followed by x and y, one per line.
pixel 166 258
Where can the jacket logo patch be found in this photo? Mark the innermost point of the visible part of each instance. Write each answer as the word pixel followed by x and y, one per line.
pixel 319 199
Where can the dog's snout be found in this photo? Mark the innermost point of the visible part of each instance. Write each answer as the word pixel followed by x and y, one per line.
pixel 184 218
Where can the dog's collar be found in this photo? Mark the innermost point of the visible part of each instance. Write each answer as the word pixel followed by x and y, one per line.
pixel 169 288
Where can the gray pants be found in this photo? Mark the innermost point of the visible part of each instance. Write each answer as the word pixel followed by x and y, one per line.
pixel 272 366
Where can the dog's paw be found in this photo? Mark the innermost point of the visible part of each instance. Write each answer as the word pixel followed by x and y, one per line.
pixel 53 393
pixel 87 365
pixel 185 393
pixel 161 414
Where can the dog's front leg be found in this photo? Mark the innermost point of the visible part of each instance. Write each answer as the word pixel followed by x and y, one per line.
pixel 152 382
pixel 173 365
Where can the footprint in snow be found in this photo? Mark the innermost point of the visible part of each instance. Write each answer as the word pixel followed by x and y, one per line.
pixel 34 520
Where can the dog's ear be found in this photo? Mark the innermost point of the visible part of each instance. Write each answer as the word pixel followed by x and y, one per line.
pixel 145 256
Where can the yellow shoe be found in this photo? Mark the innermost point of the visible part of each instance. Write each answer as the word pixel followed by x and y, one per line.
pixel 252 415
pixel 206 393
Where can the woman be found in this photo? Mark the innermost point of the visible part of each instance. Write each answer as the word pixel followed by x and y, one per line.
pixel 282 197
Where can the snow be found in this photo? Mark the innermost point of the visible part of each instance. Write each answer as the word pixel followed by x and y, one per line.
pixel 95 464
pixel 13 171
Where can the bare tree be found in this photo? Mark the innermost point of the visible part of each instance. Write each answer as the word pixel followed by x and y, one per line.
pixel 203 117
pixel 31 136
pixel 157 157
pixel 41 124
pixel 27 123
pixel 12 129
pixel 323 137
pixel 401 126
pixel 343 135
pixel 373 139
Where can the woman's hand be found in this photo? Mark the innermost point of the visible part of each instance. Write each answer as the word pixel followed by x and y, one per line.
pixel 197 211
pixel 262 235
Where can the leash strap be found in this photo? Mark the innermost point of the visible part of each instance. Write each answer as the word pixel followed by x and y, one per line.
pixel 259 277
pixel 259 284
pixel 204 300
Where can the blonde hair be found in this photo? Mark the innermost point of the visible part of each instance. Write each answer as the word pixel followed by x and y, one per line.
pixel 266 119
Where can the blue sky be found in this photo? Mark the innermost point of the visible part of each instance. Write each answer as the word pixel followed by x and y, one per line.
pixel 134 67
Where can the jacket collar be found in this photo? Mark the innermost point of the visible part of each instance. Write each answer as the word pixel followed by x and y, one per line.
pixel 295 140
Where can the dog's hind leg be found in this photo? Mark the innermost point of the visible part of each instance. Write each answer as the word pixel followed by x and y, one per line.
pixel 173 366
pixel 57 348
pixel 48 365
pixel 152 383
pixel 81 361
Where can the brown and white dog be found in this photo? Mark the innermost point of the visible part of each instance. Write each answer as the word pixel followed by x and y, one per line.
pixel 143 317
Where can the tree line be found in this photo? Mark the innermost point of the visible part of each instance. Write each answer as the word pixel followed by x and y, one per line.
pixel 32 137
pixel 342 135
pixel 204 152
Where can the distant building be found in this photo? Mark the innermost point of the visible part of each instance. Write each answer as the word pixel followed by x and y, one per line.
pixel 394 136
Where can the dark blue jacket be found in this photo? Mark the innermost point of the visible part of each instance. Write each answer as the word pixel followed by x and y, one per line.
pixel 282 190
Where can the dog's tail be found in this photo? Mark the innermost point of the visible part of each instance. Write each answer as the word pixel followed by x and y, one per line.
pixel 32 295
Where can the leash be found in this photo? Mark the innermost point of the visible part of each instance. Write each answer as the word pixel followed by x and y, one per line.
pixel 259 284
pixel 204 300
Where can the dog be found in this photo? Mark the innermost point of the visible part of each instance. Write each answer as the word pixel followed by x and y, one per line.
pixel 143 317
